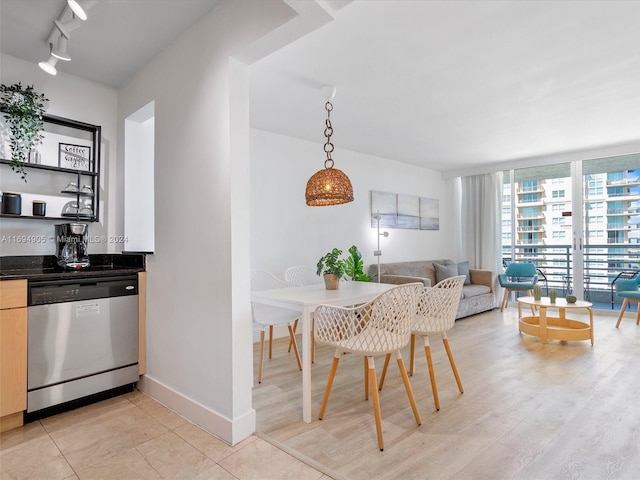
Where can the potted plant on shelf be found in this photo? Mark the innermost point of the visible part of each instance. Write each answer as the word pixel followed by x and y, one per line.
pixel 332 268
pixel 355 266
pixel 23 108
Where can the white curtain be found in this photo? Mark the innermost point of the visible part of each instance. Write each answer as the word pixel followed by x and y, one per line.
pixel 479 221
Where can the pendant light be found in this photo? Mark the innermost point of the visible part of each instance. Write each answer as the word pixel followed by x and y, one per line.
pixel 329 186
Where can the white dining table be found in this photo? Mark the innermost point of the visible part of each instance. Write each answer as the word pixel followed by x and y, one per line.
pixel 306 299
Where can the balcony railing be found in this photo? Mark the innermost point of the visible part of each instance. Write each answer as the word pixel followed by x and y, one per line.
pixel 602 264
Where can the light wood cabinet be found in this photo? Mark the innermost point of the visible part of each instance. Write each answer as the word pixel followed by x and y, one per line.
pixel 13 352
pixel 142 323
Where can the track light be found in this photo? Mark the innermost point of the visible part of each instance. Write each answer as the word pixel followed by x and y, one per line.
pixel 65 28
pixel 49 66
pixel 72 16
pixel 80 7
pixel 61 52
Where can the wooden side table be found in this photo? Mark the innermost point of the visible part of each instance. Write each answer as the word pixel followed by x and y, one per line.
pixel 556 328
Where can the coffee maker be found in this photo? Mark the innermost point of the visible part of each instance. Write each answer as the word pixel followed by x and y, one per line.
pixel 71 242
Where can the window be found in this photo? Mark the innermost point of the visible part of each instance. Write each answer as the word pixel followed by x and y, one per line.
pixel 557 194
pixel 559 234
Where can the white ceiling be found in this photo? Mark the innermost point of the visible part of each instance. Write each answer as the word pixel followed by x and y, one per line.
pixel 445 84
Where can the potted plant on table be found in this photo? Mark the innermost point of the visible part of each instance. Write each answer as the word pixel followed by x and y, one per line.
pixel 332 268
pixel 23 108
pixel 355 266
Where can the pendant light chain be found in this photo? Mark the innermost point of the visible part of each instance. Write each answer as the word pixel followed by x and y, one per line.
pixel 328 131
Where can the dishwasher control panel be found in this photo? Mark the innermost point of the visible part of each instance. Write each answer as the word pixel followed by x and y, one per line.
pixel 62 291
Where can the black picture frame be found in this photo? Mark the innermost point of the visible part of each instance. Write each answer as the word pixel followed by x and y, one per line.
pixel 74 157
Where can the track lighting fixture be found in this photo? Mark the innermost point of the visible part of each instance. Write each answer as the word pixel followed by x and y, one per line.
pixel 72 17
pixel 49 66
pixel 80 7
pixel 61 52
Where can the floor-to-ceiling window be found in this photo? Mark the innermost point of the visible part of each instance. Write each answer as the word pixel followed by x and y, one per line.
pixel 578 222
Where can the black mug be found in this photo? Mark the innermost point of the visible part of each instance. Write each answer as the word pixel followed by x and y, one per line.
pixel 11 203
pixel 39 208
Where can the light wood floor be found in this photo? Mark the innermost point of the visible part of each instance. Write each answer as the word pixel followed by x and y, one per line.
pixel 529 411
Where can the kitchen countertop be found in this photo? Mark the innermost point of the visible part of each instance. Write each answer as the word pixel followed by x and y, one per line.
pixel 44 267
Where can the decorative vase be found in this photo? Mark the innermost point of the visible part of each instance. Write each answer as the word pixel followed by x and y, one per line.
pixel 552 295
pixel 571 299
pixel 331 281
pixel 537 292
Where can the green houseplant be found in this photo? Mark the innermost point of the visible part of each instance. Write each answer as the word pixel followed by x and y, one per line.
pixel 332 268
pixel 355 266
pixel 23 108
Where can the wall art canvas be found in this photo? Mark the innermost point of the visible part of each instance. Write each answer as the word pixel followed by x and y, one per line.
pixel 429 214
pixel 398 210
pixel 408 212
pixel 385 204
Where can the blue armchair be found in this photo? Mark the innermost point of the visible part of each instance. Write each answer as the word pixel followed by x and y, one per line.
pixel 518 277
pixel 629 290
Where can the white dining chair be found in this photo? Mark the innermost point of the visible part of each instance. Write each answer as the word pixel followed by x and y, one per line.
pixel 379 327
pixel 266 317
pixel 436 315
pixel 301 275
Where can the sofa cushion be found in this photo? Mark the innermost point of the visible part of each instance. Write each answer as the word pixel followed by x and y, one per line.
pixel 463 269
pixel 469 291
pixel 445 271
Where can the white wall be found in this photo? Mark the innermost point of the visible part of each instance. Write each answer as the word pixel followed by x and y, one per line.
pixel 77 99
pixel 285 231
pixel 199 352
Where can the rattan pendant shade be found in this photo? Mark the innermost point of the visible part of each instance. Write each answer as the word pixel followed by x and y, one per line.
pixel 329 186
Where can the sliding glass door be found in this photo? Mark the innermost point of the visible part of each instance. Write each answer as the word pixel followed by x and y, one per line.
pixel 577 221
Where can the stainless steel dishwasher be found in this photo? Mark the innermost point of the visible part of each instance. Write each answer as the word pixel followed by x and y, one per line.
pixel 82 339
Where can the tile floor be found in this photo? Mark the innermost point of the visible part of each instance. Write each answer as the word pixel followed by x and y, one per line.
pixel 134 437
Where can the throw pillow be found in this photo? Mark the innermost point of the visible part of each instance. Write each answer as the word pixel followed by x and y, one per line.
pixel 463 269
pixel 445 271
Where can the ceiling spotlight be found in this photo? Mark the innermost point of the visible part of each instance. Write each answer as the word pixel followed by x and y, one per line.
pixel 49 66
pixel 81 7
pixel 61 52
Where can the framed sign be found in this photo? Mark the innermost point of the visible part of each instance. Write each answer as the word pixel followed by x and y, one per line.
pixel 75 157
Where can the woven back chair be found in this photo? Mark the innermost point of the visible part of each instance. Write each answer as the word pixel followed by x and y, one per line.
pixel 437 309
pixel 379 327
pixel 266 317
pixel 302 275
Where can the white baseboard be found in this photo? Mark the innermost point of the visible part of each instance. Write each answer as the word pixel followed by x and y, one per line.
pixel 231 431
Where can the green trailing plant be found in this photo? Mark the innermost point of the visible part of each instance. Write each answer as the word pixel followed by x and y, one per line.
pixel 355 266
pixel 332 264
pixel 23 108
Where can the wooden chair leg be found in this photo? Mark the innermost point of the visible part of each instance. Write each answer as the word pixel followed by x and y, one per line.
pixel 313 341
pixel 432 374
pixel 376 401
pixel 637 313
pixel 270 339
pixel 366 378
pixel 505 299
pixel 625 302
pixel 327 390
pixel 407 386
pixel 295 346
pixel 445 340
pixel 261 356
pixel 384 371
pixel 412 353
pixel 295 326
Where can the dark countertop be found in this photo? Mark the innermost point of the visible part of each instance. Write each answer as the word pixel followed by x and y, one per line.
pixel 44 267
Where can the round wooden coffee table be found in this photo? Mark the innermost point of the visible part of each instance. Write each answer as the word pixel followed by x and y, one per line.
pixel 556 328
